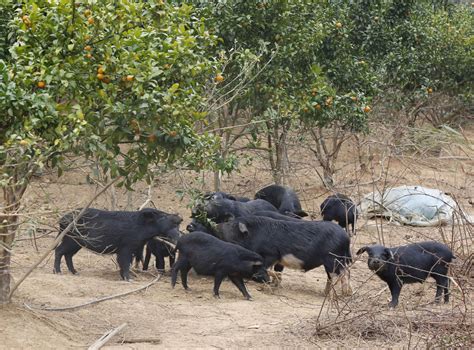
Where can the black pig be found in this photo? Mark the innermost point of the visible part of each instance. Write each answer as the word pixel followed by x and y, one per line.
pixel 220 210
pixel 224 195
pixel 109 232
pixel 340 208
pixel 210 256
pixel 300 244
pixel 160 250
pixel 283 198
pixel 410 264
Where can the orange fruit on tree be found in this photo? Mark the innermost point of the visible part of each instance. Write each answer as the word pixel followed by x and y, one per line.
pixel 318 106
pixel 152 138
pixel 429 90
pixel 106 79
pixel 354 98
pixel 100 70
pixel 23 143
pixel 100 76
pixel 87 13
pixel 88 55
pixel 88 48
pixel 129 77
pixel 338 25
pixel 172 133
pixel 219 78
pixel 41 84
pixel 367 109
pixel 90 20
pixel 26 20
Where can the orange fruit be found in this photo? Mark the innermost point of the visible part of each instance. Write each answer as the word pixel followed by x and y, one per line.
pixel 306 110
pixel 172 133
pixel 367 109
pixel 41 84
pixel 100 76
pixel 219 78
pixel 152 138
pixel 338 25
pixel 166 66
pixel 23 143
pixel 130 77
pixel 88 55
pixel 354 98
pixel 88 48
pixel 106 79
pixel 100 70
pixel 429 90
pixel 318 106
pixel 90 20
pixel 87 13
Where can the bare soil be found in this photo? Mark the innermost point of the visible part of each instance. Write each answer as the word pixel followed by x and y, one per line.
pixel 295 315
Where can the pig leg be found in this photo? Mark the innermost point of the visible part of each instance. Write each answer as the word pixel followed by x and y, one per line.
pixel 218 278
pixel 395 288
pixel 67 248
pixel 239 283
pixel 183 266
pixel 146 262
pixel 160 263
pixel 124 258
pixel 68 258
pixel 442 287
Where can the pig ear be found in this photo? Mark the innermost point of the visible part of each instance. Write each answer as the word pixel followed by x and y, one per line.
pixel 147 216
pixel 361 250
pixel 243 228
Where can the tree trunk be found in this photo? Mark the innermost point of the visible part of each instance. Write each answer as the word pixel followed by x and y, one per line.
pixel 8 226
pixel 217 180
pixel 278 151
pixel 5 241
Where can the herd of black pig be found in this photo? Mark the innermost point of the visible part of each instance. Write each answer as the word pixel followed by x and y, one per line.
pixel 239 238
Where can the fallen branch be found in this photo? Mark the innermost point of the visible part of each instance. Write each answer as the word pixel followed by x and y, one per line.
pixel 141 340
pixel 60 237
pixel 67 308
pixel 106 337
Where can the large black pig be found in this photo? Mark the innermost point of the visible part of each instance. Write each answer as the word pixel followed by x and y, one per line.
pixel 210 256
pixel 302 245
pixel 109 232
pixel 410 264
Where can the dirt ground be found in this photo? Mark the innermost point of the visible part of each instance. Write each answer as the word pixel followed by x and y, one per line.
pixel 295 315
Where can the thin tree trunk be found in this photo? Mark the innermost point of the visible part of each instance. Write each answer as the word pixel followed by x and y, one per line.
pixel 5 255
pixel 8 226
